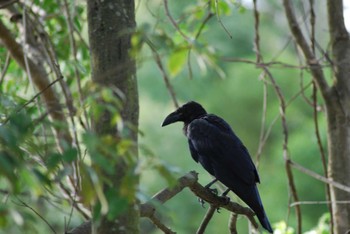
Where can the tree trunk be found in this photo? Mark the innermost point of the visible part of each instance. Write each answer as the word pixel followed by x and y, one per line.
pixel 339 164
pixel 337 101
pixel 111 23
pixel 338 113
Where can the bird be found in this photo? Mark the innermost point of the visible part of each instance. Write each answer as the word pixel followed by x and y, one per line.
pixel 214 145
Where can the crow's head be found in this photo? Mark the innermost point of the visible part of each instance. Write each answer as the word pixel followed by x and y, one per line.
pixel 186 113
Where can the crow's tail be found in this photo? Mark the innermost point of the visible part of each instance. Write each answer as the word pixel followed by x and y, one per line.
pixel 258 208
pixel 265 222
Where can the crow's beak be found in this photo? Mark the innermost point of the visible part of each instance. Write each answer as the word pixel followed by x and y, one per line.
pixel 172 118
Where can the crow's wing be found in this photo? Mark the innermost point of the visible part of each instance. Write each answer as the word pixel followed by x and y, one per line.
pixel 204 161
pixel 220 151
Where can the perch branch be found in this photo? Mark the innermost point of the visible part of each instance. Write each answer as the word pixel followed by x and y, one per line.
pixel 190 180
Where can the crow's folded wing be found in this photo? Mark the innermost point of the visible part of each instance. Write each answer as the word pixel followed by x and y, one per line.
pixel 214 144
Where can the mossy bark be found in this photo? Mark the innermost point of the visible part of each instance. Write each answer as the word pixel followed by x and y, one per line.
pixel 111 23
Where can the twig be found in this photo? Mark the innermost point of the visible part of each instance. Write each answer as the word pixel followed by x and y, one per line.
pixel 322 152
pixel 74 54
pixel 257 35
pixel 164 74
pixel 219 19
pixel 32 99
pixel 319 177
pixel 160 225
pixel 275 64
pixel 233 223
pixel 315 67
pixel 207 18
pixel 173 22
pixel 32 209
pixel 318 203
pixel 4 69
pixel 285 148
pixel 208 216
pixel 263 122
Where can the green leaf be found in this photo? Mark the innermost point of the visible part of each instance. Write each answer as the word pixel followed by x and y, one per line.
pixel 53 160
pixel 176 61
pixel 70 155
pixel 117 204
pixel 41 177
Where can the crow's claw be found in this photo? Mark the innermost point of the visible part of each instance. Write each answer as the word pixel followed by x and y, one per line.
pixel 202 202
pixel 227 199
pixel 214 191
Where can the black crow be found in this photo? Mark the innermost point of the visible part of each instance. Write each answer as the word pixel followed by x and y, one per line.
pixel 216 147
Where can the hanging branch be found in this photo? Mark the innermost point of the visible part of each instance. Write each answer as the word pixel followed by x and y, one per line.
pixel 285 148
pixel 164 74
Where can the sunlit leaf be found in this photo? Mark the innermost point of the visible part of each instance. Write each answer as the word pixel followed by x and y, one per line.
pixel 177 61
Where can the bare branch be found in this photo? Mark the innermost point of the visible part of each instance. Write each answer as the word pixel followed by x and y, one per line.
pixel 322 151
pixel 285 147
pixel 36 213
pixel 74 54
pixel 257 35
pixel 208 216
pixel 190 180
pixel 4 69
pixel 219 19
pixel 318 203
pixel 316 68
pixel 319 177
pixel 233 223
pixel 173 22
pixel 164 74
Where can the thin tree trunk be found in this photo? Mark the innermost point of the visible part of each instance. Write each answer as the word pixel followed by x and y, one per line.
pixel 337 101
pixel 338 113
pixel 111 23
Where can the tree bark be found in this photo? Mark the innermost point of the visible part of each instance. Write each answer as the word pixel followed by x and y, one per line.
pixel 111 23
pixel 337 101
pixel 338 117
